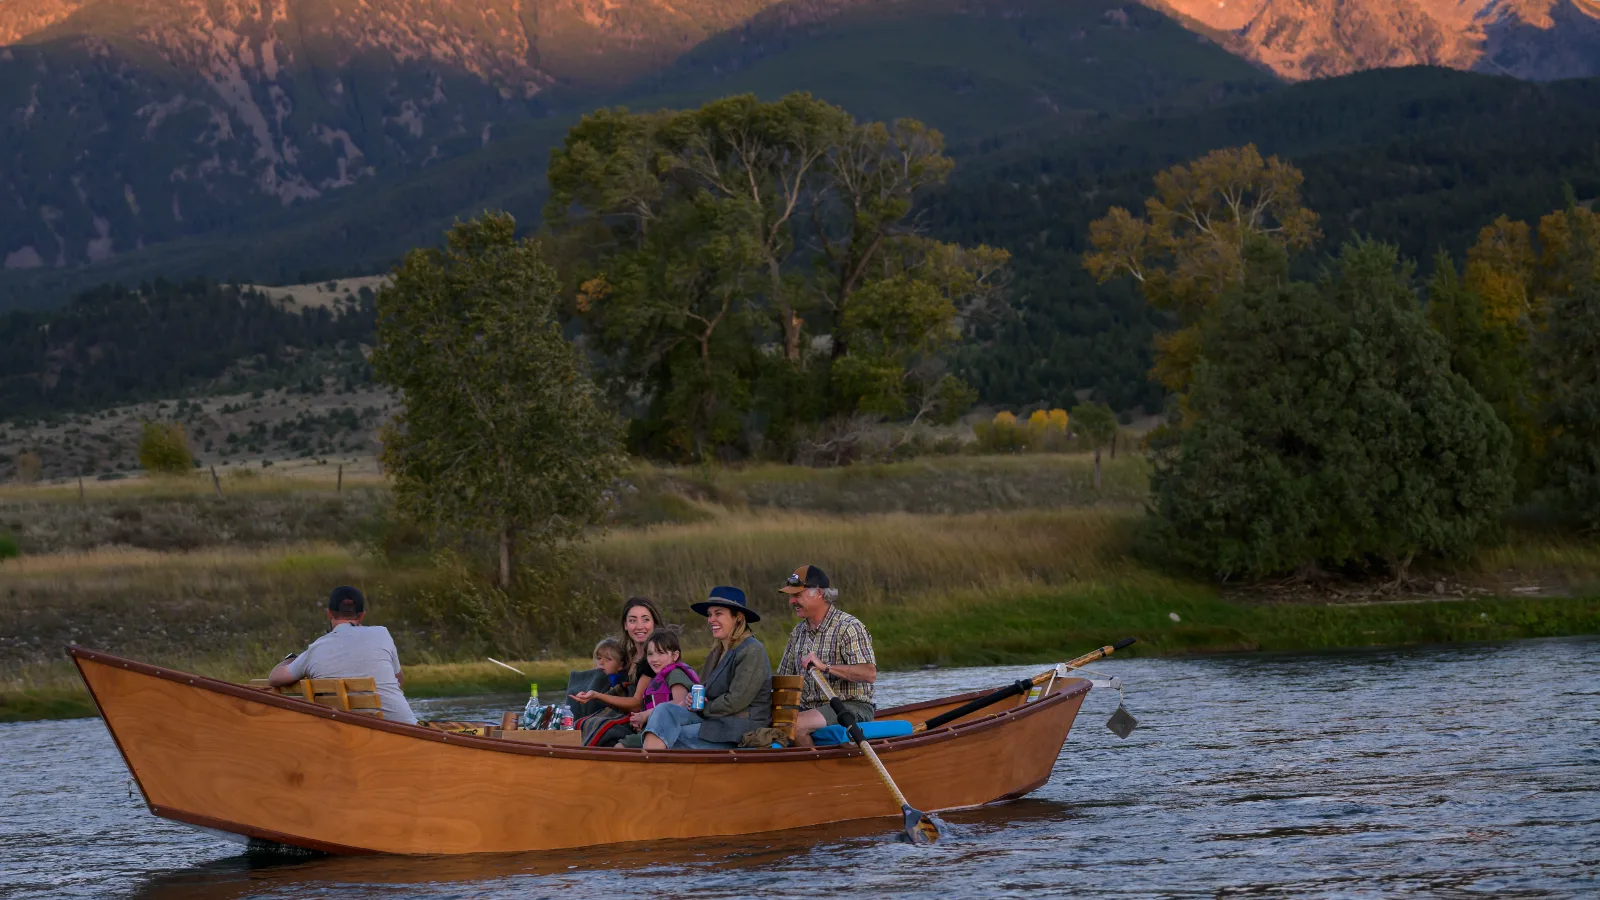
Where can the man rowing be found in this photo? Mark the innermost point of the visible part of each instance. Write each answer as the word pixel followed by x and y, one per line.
pixel 351 650
pixel 834 642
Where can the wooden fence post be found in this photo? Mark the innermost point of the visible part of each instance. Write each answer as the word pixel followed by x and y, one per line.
pixel 80 488
pixel 338 488
pixel 215 481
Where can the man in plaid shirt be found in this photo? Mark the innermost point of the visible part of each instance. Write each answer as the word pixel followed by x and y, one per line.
pixel 834 642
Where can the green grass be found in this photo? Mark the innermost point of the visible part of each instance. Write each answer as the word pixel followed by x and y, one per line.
pixel 48 703
pixel 1050 625
pixel 996 580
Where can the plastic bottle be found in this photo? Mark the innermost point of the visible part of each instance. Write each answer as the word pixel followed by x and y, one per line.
pixel 564 712
pixel 530 713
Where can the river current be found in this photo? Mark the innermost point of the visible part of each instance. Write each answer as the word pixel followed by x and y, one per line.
pixel 1459 771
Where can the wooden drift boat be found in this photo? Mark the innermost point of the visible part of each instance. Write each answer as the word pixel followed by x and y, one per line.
pixel 272 768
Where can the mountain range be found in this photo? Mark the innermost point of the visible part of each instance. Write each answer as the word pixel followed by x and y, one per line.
pixel 1535 39
pixel 270 139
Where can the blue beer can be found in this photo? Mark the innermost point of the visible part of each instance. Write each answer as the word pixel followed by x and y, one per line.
pixel 697 697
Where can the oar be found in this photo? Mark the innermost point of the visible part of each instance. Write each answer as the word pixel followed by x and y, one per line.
pixel 1021 686
pixel 504 666
pixel 919 828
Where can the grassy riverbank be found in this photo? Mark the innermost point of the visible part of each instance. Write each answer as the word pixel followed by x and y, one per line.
pixel 985 576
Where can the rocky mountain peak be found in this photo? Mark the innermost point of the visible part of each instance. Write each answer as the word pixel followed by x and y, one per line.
pixel 1533 39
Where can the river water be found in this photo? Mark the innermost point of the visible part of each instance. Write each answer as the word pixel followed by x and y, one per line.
pixel 1457 771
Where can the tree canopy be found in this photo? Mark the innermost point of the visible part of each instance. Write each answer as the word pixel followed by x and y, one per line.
pixel 1191 243
pixel 746 268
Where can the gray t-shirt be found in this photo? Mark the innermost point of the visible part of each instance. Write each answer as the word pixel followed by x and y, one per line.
pixel 358 651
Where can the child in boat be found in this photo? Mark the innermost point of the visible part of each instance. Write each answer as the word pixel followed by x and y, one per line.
pixel 673 679
pixel 608 659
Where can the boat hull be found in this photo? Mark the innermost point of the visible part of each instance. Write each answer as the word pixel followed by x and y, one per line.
pixel 227 757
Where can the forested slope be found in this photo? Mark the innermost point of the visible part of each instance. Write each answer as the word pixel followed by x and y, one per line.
pixel 1420 157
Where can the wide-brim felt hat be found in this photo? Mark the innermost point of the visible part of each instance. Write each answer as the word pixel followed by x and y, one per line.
pixel 730 597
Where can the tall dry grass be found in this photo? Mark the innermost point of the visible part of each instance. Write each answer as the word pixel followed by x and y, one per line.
pixel 871 559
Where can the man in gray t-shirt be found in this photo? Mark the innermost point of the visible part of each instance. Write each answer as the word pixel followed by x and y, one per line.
pixel 351 650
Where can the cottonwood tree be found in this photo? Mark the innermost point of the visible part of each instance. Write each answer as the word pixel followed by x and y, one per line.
pixel 708 247
pixel 1190 244
pixel 1330 430
pixel 1096 424
pixel 500 433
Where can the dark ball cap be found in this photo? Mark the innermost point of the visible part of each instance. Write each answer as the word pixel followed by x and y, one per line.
pixel 804 577
pixel 346 601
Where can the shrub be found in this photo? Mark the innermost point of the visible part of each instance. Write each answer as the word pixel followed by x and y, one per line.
pixel 1002 435
pixel 9 548
pixel 1326 426
pixel 163 449
pixel 29 467
pixel 1047 431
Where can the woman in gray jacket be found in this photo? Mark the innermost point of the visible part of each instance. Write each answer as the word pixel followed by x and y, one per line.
pixel 737 678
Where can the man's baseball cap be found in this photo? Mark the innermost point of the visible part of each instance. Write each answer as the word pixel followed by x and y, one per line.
pixel 346 601
pixel 805 577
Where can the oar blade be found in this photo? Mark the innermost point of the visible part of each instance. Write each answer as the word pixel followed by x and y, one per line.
pixel 919 828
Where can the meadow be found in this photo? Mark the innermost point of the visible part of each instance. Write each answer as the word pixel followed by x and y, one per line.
pixel 950 560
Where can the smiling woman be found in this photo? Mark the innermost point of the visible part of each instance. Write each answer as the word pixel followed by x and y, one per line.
pixel 737 678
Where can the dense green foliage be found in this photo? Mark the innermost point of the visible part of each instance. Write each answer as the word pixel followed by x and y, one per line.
pixel 501 434
pixel 747 270
pixel 164 449
pixel 1325 426
pixel 1489 357
pixel 1570 354
pixel 117 345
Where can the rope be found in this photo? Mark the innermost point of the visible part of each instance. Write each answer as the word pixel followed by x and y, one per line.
pixel 1113 681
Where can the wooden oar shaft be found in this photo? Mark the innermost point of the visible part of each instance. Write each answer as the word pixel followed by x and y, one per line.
pixel 866 748
pixel 1085 659
pixel 883 773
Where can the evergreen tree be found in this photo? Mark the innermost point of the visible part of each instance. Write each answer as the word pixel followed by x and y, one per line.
pixel 1328 429
pixel 500 432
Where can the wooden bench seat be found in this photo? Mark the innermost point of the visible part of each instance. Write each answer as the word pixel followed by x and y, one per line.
pixel 359 695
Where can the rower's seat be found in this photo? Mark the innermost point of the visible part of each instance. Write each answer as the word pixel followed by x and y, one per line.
pixel 358 695
pixel 786 702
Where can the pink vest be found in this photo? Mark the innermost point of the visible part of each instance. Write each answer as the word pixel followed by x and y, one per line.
pixel 658 691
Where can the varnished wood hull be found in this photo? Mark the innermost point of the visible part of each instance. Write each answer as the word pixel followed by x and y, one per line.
pixel 226 757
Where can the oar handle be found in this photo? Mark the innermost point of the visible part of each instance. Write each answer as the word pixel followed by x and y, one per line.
pixel 1010 690
pixel 1087 658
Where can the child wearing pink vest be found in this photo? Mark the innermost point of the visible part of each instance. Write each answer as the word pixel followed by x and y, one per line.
pixel 673 679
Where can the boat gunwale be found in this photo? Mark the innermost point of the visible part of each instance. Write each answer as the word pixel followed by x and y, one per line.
pixel 590 754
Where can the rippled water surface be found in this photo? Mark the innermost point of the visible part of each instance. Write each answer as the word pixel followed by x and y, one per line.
pixel 1459 771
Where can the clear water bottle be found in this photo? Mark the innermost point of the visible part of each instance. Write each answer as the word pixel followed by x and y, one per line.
pixel 531 713
pixel 564 713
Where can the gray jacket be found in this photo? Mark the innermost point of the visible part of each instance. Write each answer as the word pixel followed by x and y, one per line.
pixel 738 692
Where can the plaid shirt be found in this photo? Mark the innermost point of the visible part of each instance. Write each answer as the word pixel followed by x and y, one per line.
pixel 841 640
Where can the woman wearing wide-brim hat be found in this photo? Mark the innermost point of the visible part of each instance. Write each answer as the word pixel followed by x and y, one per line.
pixel 738 683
